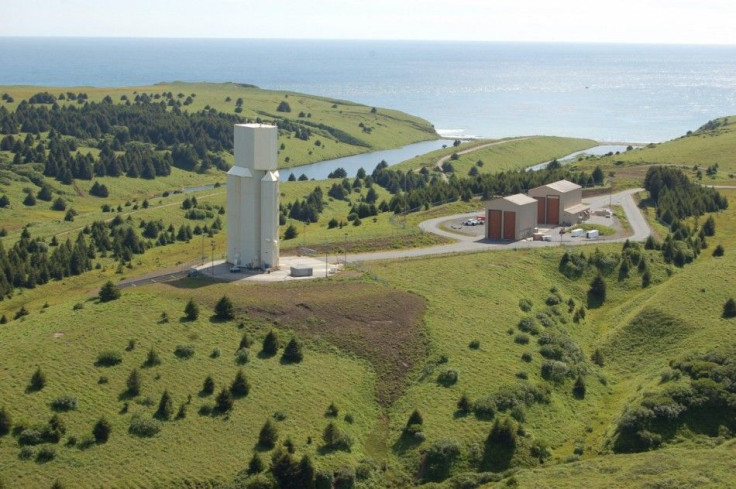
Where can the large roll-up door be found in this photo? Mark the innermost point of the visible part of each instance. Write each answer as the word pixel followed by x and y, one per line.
pixel 509 225
pixel 541 210
pixel 553 209
pixel 494 224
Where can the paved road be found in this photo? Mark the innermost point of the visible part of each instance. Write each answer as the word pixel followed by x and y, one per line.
pixel 640 232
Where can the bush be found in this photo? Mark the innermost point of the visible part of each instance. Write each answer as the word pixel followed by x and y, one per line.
pixel 528 325
pixel 474 345
pixel 485 408
pixel 143 427
pixel 332 410
pixel 242 356
pixel 184 351
pixel 101 430
pixel 268 435
pixel 292 352
pixel 255 466
pixel 64 403
pixel 555 370
pixel 31 436
pixel 438 460
pixel 45 454
pixel 527 357
pixel 464 405
pixel 108 358
pixel 224 309
pixel 597 291
pixel 448 377
pixel 521 339
pixel 578 390
pixel 109 292
pixel 719 251
pixel 290 232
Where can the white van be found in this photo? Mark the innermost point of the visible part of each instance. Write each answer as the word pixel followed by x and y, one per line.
pixel 593 233
pixel 576 233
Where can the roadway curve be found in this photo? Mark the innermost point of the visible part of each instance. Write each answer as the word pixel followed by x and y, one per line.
pixel 465 244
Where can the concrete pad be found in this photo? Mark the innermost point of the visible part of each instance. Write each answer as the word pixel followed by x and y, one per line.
pixel 220 270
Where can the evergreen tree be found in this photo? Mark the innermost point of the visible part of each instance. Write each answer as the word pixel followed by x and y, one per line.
pixel 729 308
pixel 109 292
pixel 6 421
pixel 597 291
pixel 244 341
pixel 578 389
pixel 290 232
pixel 45 193
pixel 208 387
pixel 152 359
pixel 239 386
pixel 270 344
pixel 38 380
pixel 463 404
pixel 191 310
pixel 134 383
pixel 292 352
pixel 268 435
pixel 224 401
pixel 101 431
pixel 165 406
pixel 255 466
pixel 224 309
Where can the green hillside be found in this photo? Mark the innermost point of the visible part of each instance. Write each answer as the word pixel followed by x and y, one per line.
pixel 493 369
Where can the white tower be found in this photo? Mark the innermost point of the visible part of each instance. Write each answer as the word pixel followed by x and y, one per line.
pixel 253 198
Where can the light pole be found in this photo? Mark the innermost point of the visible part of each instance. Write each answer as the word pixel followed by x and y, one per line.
pixel 212 244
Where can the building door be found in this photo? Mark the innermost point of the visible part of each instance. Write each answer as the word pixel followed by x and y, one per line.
pixel 509 225
pixel 493 226
pixel 541 210
pixel 553 209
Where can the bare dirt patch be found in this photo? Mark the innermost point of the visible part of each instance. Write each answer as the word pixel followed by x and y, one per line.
pixel 375 322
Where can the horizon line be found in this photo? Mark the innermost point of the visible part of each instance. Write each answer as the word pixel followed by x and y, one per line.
pixel 299 39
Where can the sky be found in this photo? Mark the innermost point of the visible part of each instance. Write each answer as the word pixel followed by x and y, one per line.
pixel 620 21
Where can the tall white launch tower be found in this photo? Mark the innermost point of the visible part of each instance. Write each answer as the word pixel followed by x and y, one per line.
pixel 253 198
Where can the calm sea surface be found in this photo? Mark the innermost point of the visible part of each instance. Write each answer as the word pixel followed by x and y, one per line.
pixel 632 93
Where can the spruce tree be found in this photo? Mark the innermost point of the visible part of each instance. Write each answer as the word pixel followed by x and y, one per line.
pixel 101 431
pixel 224 309
pixel 255 466
pixel 38 380
pixel 729 308
pixel 165 406
pixel 240 386
pixel 208 387
pixel 224 401
pixel 292 352
pixel 268 435
pixel 191 310
pixel 6 422
pixel 109 292
pixel 133 383
pixel 270 344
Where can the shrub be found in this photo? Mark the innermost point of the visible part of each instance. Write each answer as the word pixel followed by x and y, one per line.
pixel 31 436
pixel 242 356
pixel 527 357
pixel 224 401
pixel 502 433
pixel 208 387
pixel 224 309
pixel 26 453
pixel 597 357
pixel 245 341
pixel 528 325
pixel 268 435
pixel 597 291
pixel 101 430
pixel 448 377
pixel 290 232
pixel 191 310
pixel 108 358
pixel 729 308
pixel 555 370
pixel 484 408
pixel 719 251
pixel 45 454
pixel 438 460
pixel 64 403
pixel 521 339
pixel 184 351
pixel 38 380
pixel 474 345
pixel 143 427
pixel 525 305
pixel 292 352
pixel 216 353
pixel 270 344
pixel 109 292
pixel 239 386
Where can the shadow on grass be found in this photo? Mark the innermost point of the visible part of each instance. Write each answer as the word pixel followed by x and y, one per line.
pixel 407 441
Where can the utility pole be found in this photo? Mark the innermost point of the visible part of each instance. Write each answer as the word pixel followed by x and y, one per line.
pixel 346 249
pixel 212 244
pixel 326 253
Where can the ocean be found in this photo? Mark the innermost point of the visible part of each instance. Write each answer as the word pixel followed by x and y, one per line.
pixel 612 93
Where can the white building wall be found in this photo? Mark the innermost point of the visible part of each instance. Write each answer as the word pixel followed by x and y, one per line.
pixel 253 197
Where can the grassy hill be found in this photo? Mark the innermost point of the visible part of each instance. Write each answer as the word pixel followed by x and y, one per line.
pixel 501 329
